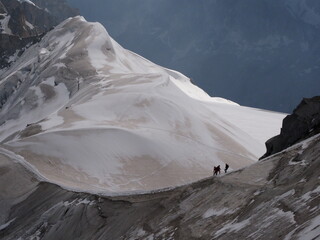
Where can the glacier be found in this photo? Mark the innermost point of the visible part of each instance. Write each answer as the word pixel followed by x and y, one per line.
pixel 84 113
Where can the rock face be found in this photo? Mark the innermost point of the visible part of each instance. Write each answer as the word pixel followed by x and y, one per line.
pixel 26 20
pixel 304 122
pixel 23 23
pixel 2 8
pixel 13 46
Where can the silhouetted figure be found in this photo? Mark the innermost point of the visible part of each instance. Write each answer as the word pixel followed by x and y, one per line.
pixel 226 168
pixel 216 170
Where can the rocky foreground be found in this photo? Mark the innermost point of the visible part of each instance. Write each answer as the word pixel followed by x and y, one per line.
pixel 277 198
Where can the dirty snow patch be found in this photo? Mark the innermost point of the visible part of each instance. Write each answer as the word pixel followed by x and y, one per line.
pixel 27 1
pixel 78 201
pixel 97 40
pixel 29 25
pixel 301 163
pixel 212 212
pixel 306 197
pixel 232 227
pixel 4 25
pixel 4 226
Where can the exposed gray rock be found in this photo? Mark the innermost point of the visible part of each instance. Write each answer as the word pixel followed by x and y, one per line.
pixel 11 46
pixel 27 23
pixel 2 9
pixel 22 13
pixel 304 122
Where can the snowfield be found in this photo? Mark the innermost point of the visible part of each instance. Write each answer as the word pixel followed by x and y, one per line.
pixel 88 114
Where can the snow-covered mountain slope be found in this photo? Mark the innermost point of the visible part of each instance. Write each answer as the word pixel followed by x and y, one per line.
pixel 277 198
pixel 90 115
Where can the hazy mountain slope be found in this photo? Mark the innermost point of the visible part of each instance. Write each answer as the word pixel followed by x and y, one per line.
pixel 91 115
pixel 277 198
pixel 258 53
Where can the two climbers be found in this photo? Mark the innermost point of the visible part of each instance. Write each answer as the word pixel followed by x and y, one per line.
pixel 217 169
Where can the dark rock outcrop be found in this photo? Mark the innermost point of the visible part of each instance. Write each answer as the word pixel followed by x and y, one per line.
pixel 303 123
pixel 10 45
pixel 2 9
pixel 27 23
pixel 27 20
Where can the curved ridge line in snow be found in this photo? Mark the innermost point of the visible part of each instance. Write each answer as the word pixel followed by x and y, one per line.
pixel 105 193
pixel 19 159
pixel 135 133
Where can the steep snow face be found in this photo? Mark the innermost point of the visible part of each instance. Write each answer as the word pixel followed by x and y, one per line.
pixel 90 115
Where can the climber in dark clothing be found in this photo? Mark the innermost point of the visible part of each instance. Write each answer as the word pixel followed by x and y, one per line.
pixel 226 168
pixel 216 170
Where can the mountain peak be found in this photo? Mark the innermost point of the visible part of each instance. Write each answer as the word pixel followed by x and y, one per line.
pixel 120 122
pixel 93 135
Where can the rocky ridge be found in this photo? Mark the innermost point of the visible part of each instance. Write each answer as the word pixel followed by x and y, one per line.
pixel 303 123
